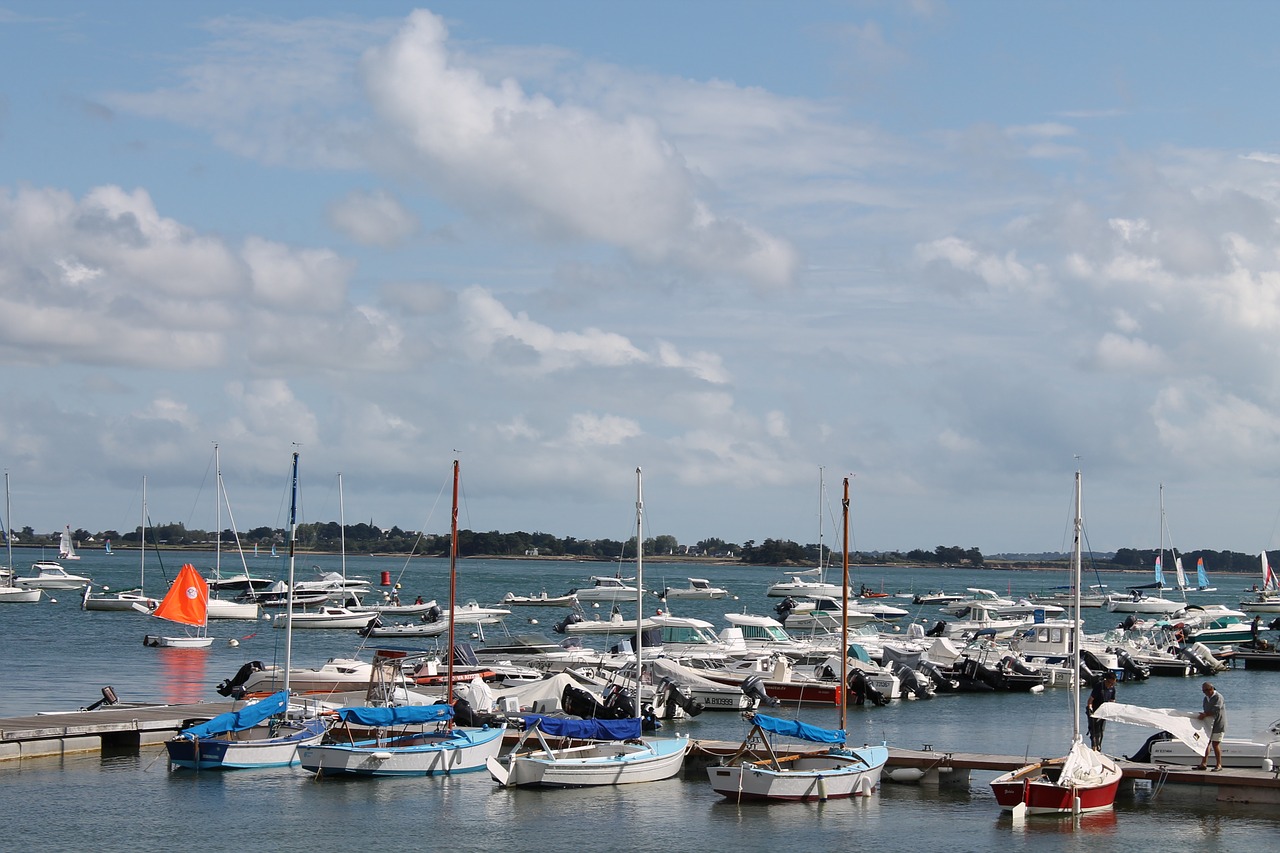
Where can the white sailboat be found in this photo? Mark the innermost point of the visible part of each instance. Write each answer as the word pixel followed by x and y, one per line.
pixel 418 740
pixel 67 550
pixel 834 773
pixel 1084 780
pixel 221 608
pixel 10 594
pixel 238 739
pixel 130 599
pixel 186 603
pixel 1139 600
pixel 611 752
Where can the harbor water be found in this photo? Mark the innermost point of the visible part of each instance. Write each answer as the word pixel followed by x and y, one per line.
pixel 58 657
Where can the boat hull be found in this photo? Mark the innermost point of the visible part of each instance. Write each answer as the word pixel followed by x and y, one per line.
pixel 1037 787
pixel 222 609
pixel 161 642
pixel 598 764
pixel 246 752
pixel 833 775
pixel 17 595
pixel 464 752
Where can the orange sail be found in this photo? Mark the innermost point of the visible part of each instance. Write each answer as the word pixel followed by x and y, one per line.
pixel 187 601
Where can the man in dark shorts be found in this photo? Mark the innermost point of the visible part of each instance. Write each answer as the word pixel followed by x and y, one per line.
pixel 1103 691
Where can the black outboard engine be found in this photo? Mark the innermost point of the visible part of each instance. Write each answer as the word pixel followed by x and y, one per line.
pixel 1143 755
pixel 937 630
pixel 1202 666
pixel 618 704
pixel 233 686
pixel 465 715
pixel 677 698
pixel 432 614
pixel 1092 669
pixel 861 690
pixel 1129 622
pixel 581 703
pixel 939 677
pixel 563 625
pixel 784 607
pixel 753 686
pixel 915 683
pixel 1133 670
pixel 367 630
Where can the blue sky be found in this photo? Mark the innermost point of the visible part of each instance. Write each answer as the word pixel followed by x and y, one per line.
pixel 944 248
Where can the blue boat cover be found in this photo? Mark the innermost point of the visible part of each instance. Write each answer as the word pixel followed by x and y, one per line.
pixel 237 721
pixel 398 716
pixel 627 729
pixel 795 728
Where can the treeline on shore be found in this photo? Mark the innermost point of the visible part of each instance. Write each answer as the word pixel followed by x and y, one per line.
pixel 365 538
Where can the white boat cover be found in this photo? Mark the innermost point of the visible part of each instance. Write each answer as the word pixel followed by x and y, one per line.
pixel 1181 724
pixel 1085 768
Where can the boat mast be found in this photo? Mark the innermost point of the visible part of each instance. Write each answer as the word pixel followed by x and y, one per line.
pixel 639 581
pixel 1161 539
pixel 1077 633
pixel 8 534
pixel 822 494
pixel 142 569
pixel 293 547
pixel 453 577
pixel 217 539
pixel 342 532
pixel 844 629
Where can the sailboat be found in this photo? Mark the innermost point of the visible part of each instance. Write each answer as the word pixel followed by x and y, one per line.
pixel 409 740
pixel 1202 579
pixel 238 740
pixel 1138 600
pixel 10 594
pixel 186 603
pixel 1084 780
pixel 67 550
pixel 106 549
pixel 132 599
pixel 837 772
pixel 221 608
pixel 611 752
pixel 1266 599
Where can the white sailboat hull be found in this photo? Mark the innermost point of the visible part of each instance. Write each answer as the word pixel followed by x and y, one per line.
pixel 221 609
pixel 17 595
pixel 244 751
pixel 161 642
pixel 466 752
pixel 835 774
pixel 596 764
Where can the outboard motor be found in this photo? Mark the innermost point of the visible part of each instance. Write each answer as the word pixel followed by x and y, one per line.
pixel 784 607
pixel 1129 622
pixel 1143 755
pixel 753 686
pixel 1095 666
pixel 581 703
pixel 1133 671
pixel 1204 664
pixel 432 614
pixel 465 715
pixel 913 682
pixel 1013 663
pixel 679 699
pixel 618 704
pixel 938 630
pixel 367 630
pixel 563 625
pixel 862 691
pixel 941 680
pixel 233 686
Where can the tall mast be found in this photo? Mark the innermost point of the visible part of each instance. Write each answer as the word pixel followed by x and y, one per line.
pixel 844 609
pixel 342 530
pixel 1077 633
pixel 1161 540
pixel 8 532
pixel 639 580
pixel 453 575
pixel 142 568
pixel 293 547
pixel 822 562
pixel 217 539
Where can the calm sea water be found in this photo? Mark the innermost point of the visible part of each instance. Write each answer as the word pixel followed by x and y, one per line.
pixel 58 657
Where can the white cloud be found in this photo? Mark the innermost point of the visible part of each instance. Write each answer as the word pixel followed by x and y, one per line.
pixel 373 218
pixel 592 429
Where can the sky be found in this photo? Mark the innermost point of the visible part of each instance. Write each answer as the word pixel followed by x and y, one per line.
pixel 951 251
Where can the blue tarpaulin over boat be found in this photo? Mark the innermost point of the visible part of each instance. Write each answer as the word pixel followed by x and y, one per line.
pixel 795 728
pixel 237 721
pixel 628 729
pixel 399 716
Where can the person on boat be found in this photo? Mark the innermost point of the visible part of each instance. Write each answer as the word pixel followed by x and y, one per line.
pixel 419 600
pixel 1103 691
pixel 1213 706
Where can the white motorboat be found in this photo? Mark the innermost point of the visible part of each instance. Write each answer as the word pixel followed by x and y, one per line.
pixel 798 587
pixel 985 597
pixel 605 588
pixel 698 588
pixel 569 599
pixel 325 616
pixel 50 575
pixel 1137 601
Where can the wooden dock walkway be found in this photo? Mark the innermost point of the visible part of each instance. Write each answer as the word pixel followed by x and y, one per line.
pixel 109 726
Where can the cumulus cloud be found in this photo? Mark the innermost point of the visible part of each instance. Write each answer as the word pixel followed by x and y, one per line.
pixel 373 218
pixel 559 170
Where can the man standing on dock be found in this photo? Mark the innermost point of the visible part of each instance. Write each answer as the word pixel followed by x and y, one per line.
pixel 1213 707
pixel 1104 690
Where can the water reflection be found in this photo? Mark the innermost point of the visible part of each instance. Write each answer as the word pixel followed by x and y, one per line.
pixel 183 672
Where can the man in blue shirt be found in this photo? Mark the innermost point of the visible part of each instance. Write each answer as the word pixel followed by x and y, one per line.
pixel 1214 707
